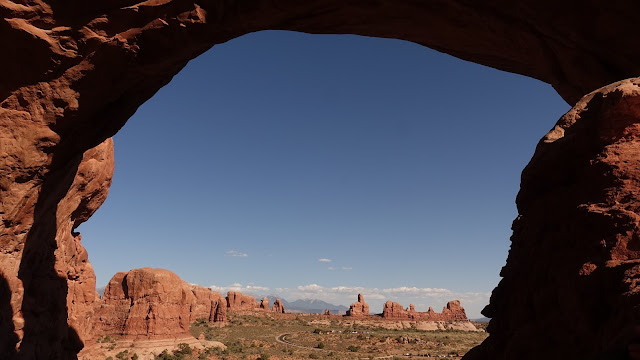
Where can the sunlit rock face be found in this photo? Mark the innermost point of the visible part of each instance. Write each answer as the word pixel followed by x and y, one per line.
pixel 358 308
pixel 278 307
pixel 570 281
pixel 237 301
pixel 154 303
pixel 453 311
pixel 72 73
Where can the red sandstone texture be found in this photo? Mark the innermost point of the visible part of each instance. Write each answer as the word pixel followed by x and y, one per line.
pixel 237 301
pixel 359 308
pixel 452 312
pixel 573 272
pixel 37 236
pixel 278 307
pixel 264 304
pixel 52 113
pixel 327 312
pixel 154 303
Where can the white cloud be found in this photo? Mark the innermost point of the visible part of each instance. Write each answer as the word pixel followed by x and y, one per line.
pixel 324 260
pixel 234 253
pixel 347 268
pixel 249 289
pixel 331 268
pixel 311 287
pixel 420 292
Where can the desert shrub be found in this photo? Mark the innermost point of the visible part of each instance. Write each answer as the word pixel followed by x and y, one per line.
pixel 235 347
pixel 123 355
pixel 314 356
pixel 317 331
pixel 264 357
pixel 109 358
pixel 134 357
pixel 201 322
pixel 164 356
pixel 320 345
pixel 353 348
pixel 182 351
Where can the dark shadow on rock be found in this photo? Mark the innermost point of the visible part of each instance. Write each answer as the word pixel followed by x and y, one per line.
pixel 8 337
pixel 47 334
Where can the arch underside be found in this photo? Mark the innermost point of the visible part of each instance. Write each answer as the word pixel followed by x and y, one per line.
pixel 73 73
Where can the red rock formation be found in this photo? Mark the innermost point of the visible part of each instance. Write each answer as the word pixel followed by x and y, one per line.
pixel 327 312
pixel 154 303
pixel 52 112
pixel 264 304
pixel 578 227
pixel 47 221
pixel 237 301
pixel 359 308
pixel 452 312
pixel 278 307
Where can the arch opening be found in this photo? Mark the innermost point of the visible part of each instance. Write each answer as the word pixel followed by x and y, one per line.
pixel 346 149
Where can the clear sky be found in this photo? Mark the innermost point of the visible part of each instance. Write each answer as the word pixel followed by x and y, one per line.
pixel 320 166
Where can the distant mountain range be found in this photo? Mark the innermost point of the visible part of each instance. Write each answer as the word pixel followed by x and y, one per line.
pixel 313 306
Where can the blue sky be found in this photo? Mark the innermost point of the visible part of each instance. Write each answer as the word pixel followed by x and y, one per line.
pixel 320 166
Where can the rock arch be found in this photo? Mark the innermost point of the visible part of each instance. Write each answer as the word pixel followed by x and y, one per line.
pixel 73 73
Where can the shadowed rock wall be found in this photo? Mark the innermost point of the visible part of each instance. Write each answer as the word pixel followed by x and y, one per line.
pixel 73 72
pixel 571 278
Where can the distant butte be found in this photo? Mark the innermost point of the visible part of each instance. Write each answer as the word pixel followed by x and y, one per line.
pixel 359 308
pixel 453 311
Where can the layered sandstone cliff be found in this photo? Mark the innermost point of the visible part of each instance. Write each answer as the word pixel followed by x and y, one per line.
pixel 154 303
pixel 237 301
pixel 453 311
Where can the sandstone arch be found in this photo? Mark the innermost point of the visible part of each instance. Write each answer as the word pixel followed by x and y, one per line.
pixel 74 72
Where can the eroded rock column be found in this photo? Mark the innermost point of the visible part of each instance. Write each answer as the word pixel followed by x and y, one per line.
pixel 570 282
pixel 47 284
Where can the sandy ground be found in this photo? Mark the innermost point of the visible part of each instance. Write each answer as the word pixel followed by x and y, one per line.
pixel 143 347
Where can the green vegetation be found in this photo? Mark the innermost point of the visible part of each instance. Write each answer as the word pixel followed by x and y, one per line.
pixel 267 336
pixel 183 352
